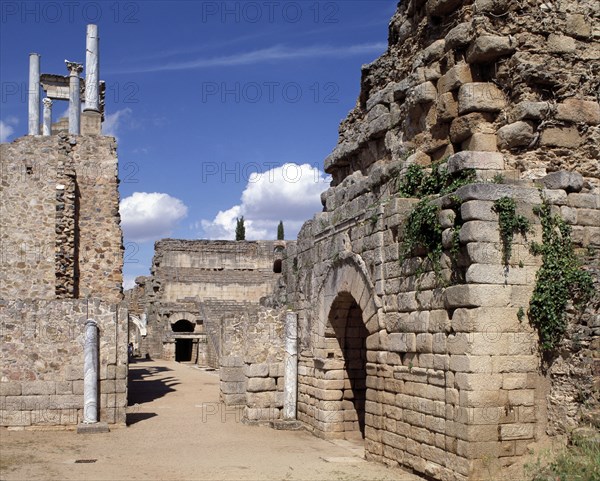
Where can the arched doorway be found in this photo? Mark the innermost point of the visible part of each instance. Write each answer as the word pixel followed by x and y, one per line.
pixel 345 337
pixel 183 347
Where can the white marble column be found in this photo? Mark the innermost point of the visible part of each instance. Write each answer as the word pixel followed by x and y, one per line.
pixel 34 94
pixel 47 125
pixel 92 67
pixel 290 388
pixel 90 373
pixel 74 97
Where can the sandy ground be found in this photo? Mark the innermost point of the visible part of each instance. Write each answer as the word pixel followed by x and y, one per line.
pixel 179 431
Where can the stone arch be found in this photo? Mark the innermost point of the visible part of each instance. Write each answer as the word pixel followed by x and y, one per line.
pixel 348 275
pixel 345 315
pixel 183 325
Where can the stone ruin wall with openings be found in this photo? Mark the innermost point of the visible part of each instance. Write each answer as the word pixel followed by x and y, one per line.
pixel 440 372
pixel 61 264
pixel 217 286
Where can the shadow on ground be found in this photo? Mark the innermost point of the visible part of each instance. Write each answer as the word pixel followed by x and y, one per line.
pixel 143 390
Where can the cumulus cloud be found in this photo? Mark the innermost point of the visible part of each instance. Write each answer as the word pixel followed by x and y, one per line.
pixel 290 193
pixel 149 216
pixel 113 121
pixel 7 128
pixel 128 282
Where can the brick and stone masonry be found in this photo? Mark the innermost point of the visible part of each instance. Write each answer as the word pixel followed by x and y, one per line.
pixel 62 259
pixel 446 377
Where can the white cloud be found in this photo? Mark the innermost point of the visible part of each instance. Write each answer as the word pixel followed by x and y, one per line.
pixel 7 128
pixel 275 53
pixel 150 216
pixel 291 193
pixel 112 122
pixel 128 282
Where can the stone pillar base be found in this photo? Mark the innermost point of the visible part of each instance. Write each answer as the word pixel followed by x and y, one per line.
pixel 92 428
pixel 284 425
pixel 91 123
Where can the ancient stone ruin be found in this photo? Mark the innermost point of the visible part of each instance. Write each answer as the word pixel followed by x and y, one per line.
pixel 443 309
pixel 195 287
pixel 416 290
pixel 62 259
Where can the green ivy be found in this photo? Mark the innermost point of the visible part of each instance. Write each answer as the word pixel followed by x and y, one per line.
pixel 410 183
pixel 423 229
pixel 559 280
pixel 417 183
pixel 510 223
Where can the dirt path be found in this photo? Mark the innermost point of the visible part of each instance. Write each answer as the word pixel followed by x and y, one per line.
pixel 180 431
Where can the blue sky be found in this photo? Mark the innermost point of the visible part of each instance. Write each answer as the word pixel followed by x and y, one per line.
pixel 220 108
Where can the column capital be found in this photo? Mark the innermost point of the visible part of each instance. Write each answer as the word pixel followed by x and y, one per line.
pixel 74 68
pixel 47 102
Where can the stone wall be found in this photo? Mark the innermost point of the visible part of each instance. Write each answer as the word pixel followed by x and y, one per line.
pixel 209 283
pixel 435 365
pixel 251 365
pixel 60 218
pixel 61 264
pixel 41 353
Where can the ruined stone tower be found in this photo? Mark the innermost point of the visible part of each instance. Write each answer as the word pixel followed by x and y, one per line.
pixel 62 257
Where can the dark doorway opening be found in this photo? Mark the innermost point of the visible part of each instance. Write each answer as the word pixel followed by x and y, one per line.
pixel 183 350
pixel 349 329
pixel 183 325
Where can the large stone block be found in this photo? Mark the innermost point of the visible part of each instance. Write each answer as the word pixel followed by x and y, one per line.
pixel 479 231
pixel 402 342
pixel 579 111
pixel 568 137
pixel 256 370
pixel 561 43
pixel 232 374
pixel 475 160
pixel 481 142
pixel 464 126
pixel 447 107
pixel 438 8
pixel 480 97
pixel 517 134
pixel 516 431
pixel 424 93
pixel 568 181
pixel 455 77
pixel 488 48
pixel 532 110
pixel 460 36
pixel 477 296
pixel 578 26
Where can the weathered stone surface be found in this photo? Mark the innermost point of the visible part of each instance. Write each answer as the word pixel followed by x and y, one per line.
pixel 496 191
pixel 455 77
pixel 517 134
pixel 568 137
pixel 480 97
pixel 481 142
pixel 460 36
pixel 575 110
pixel 569 181
pixel 464 126
pixel 561 43
pixel 475 160
pixel 532 110
pixel 447 107
pixel 497 7
pixel 577 26
pixel 402 342
pixel 488 48
pixel 424 93
pixel 436 8
pixel 433 52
